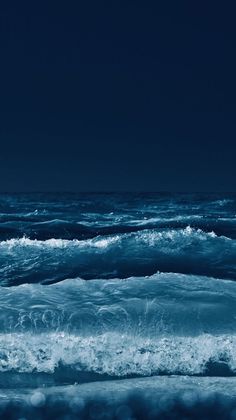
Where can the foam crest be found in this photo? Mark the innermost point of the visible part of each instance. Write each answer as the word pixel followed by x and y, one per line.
pixel 57 243
pixel 152 236
pixel 116 354
pixel 141 253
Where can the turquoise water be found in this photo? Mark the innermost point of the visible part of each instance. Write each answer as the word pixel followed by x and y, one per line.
pixel 117 301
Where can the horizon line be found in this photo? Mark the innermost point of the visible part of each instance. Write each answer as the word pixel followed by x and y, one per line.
pixel 118 192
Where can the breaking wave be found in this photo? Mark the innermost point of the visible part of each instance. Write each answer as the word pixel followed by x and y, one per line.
pixel 79 331
pixel 118 355
pixel 158 312
pixel 140 253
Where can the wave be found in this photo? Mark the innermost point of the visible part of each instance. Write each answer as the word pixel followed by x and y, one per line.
pixel 118 355
pixel 40 227
pixel 190 251
pixel 137 398
pixel 80 331
pixel 149 307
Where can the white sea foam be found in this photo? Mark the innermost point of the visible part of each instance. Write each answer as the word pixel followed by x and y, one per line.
pixel 151 236
pixel 99 242
pixel 115 354
pixel 142 253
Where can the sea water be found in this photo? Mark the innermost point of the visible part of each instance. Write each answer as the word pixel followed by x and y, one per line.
pixel 118 305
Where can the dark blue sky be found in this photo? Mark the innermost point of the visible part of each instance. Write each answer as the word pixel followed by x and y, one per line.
pixel 117 95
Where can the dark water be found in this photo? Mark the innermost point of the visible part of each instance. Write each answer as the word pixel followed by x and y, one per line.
pixel 118 305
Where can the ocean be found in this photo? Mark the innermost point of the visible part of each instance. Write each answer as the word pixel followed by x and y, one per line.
pixel 118 306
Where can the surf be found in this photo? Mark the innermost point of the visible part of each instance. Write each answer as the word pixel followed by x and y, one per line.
pixel 189 251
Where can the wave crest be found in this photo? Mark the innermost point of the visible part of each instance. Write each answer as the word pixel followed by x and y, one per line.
pixel 117 355
pixel 141 253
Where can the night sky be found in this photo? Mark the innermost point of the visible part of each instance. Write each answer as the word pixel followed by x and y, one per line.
pixel 117 95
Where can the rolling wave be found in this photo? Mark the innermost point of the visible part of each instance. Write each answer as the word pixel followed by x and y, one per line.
pixel 79 331
pixel 147 332
pixel 118 355
pixel 42 227
pixel 165 303
pixel 141 253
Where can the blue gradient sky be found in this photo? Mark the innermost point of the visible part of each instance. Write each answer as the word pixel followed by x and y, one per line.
pixel 117 95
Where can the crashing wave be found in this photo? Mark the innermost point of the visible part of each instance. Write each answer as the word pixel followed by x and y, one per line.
pixel 188 250
pixel 118 355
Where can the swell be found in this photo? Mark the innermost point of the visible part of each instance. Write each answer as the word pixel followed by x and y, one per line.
pixel 165 303
pixel 139 398
pixel 188 250
pixel 78 331
pixel 30 226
